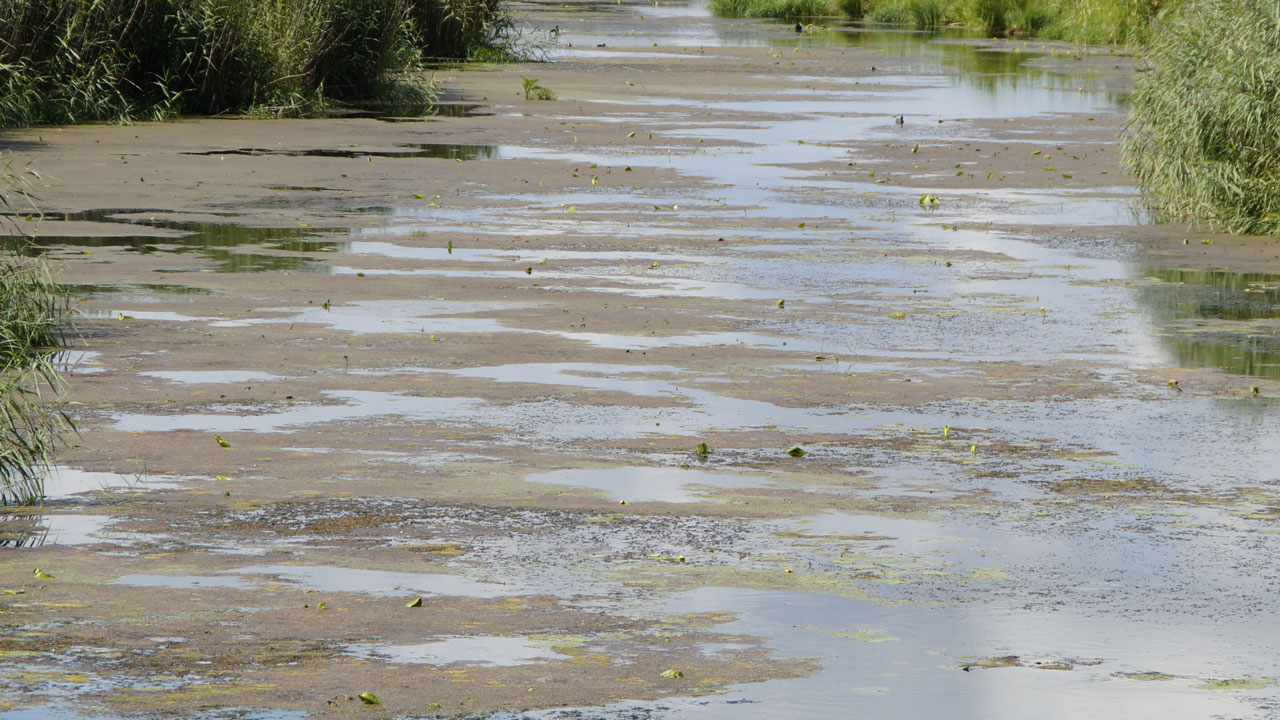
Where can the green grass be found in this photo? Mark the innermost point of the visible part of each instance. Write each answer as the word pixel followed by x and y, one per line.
pixel 1080 21
pixel 64 61
pixel 785 9
pixel 926 13
pixel 33 317
pixel 1203 136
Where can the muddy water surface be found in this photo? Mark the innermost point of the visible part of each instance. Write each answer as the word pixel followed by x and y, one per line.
pixel 707 390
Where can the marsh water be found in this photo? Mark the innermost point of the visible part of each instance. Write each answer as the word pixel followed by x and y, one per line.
pixel 1037 470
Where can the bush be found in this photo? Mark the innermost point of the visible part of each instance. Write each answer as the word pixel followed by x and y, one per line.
pixel 72 60
pixel 1203 136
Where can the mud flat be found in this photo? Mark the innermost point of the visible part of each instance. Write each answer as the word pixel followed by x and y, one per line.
pixel 468 360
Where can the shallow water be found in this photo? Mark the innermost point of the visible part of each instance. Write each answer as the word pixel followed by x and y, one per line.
pixel 486 651
pixel 1095 537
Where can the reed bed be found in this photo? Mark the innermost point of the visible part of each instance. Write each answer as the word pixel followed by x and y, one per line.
pixel 1203 136
pixel 34 317
pixel 65 61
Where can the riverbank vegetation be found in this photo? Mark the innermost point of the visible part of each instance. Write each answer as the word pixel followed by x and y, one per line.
pixel 65 61
pixel 1204 127
pixel 34 316
pixel 1082 21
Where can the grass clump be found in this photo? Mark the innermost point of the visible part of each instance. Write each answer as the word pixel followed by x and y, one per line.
pixel 1203 136
pixel 65 61
pixel 1081 21
pixel 1108 22
pixel 33 316
pixel 785 9
pixel 926 13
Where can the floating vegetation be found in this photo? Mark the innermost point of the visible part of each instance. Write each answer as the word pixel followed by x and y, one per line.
pixel 1242 683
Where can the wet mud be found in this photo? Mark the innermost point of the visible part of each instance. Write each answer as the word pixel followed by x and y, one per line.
pixel 705 389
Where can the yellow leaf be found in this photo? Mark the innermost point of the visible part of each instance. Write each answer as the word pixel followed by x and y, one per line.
pixel 416 602
pixel 222 441
pixel 42 574
pixel 369 698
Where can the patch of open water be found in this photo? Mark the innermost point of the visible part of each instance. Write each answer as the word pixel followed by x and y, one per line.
pixel 649 484
pixel 487 651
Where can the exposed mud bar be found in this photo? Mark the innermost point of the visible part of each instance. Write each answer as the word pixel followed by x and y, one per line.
pixel 706 388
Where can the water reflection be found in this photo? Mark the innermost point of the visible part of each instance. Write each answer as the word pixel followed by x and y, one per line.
pixel 218 242
pixel 1213 318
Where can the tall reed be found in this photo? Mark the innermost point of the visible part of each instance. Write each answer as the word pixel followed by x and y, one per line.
pixel 1203 136
pixel 33 318
pixel 72 60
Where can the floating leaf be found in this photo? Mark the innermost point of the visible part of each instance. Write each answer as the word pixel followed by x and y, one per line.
pixel 991 174
pixel 369 698
pixel 416 602
pixel 42 574
pixel 631 134
pixel 221 478
pixel 15 592
pixel 702 449
pixel 782 303
pixel 898 315
pixel 322 606
pixel 222 442
pixel 672 674
pixel 946 431
pixel 797 451
pixel 916 148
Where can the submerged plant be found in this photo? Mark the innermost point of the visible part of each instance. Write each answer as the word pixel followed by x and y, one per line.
pixel 1203 136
